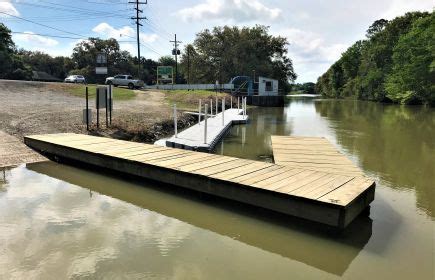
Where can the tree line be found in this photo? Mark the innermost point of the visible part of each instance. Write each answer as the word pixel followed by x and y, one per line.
pixel 395 63
pixel 224 52
pixel 217 54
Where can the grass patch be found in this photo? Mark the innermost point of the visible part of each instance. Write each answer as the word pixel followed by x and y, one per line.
pixel 118 93
pixel 296 92
pixel 188 99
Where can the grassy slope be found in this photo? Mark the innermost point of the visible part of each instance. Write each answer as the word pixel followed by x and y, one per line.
pixel 118 93
pixel 188 100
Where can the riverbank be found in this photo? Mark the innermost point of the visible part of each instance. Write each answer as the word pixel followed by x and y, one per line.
pixel 140 115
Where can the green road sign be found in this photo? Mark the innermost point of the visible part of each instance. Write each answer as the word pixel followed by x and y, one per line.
pixel 165 74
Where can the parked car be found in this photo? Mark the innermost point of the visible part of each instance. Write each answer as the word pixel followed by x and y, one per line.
pixel 75 79
pixel 124 80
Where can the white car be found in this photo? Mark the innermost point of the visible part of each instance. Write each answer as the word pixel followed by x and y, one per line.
pixel 124 80
pixel 75 79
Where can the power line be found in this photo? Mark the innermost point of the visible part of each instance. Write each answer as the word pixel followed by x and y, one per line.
pixel 144 44
pixel 61 37
pixel 46 35
pixel 54 28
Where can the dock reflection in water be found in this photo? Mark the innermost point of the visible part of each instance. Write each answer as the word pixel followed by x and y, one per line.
pixel 261 229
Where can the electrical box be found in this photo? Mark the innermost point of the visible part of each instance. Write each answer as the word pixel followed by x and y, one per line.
pixel 101 98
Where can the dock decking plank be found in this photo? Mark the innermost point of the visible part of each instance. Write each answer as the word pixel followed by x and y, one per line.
pixel 256 174
pixel 241 170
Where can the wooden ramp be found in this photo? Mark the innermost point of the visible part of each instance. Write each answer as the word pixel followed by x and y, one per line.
pixel 328 198
pixel 13 152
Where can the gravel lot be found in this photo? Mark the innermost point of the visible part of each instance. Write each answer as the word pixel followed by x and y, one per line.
pixel 36 108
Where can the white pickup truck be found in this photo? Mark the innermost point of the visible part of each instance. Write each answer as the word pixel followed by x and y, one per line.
pixel 124 80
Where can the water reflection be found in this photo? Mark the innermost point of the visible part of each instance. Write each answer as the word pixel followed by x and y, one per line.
pixel 3 179
pixel 260 229
pixel 253 140
pixel 395 143
pixel 61 222
pixel 52 230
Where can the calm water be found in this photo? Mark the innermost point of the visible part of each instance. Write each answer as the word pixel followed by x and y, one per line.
pixel 60 222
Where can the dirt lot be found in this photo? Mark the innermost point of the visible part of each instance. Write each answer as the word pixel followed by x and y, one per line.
pixel 36 108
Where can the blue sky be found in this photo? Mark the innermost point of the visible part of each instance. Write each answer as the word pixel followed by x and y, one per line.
pixel 318 31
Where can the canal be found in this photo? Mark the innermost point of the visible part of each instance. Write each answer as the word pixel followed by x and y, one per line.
pixel 59 221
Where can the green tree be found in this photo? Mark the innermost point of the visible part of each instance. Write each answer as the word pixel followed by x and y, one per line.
pixel 376 27
pixel 412 79
pixel 11 66
pixel 225 52
pixel 38 61
pixel 166 60
pixel 85 53
pixel 370 69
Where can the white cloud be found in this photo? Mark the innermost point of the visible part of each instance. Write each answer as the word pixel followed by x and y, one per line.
pixel 400 7
pixel 236 10
pixel 310 53
pixel 35 41
pixel 124 33
pixel 7 7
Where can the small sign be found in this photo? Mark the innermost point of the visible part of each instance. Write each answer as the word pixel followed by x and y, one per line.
pixel 101 58
pixel 165 74
pixel 101 97
pixel 89 111
pixel 101 70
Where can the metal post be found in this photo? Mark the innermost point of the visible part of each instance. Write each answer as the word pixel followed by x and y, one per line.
pixel 231 104
pixel 111 102
pixel 98 108
pixel 107 116
pixel 223 111
pixel 238 104
pixel 175 120
pixel 205 123
pixel 199 113
pixel 87 109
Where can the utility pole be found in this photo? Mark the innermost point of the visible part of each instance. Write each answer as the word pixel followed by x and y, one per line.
pixel 176 52
pixel 137 20
pixel 188 65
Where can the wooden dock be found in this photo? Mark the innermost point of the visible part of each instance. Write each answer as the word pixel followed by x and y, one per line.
pixel 328 198
pixel 193 138
pixel 311 153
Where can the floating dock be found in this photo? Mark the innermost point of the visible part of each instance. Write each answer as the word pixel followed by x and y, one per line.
pixel 328 198
pixel 193 137
pixel 311 153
